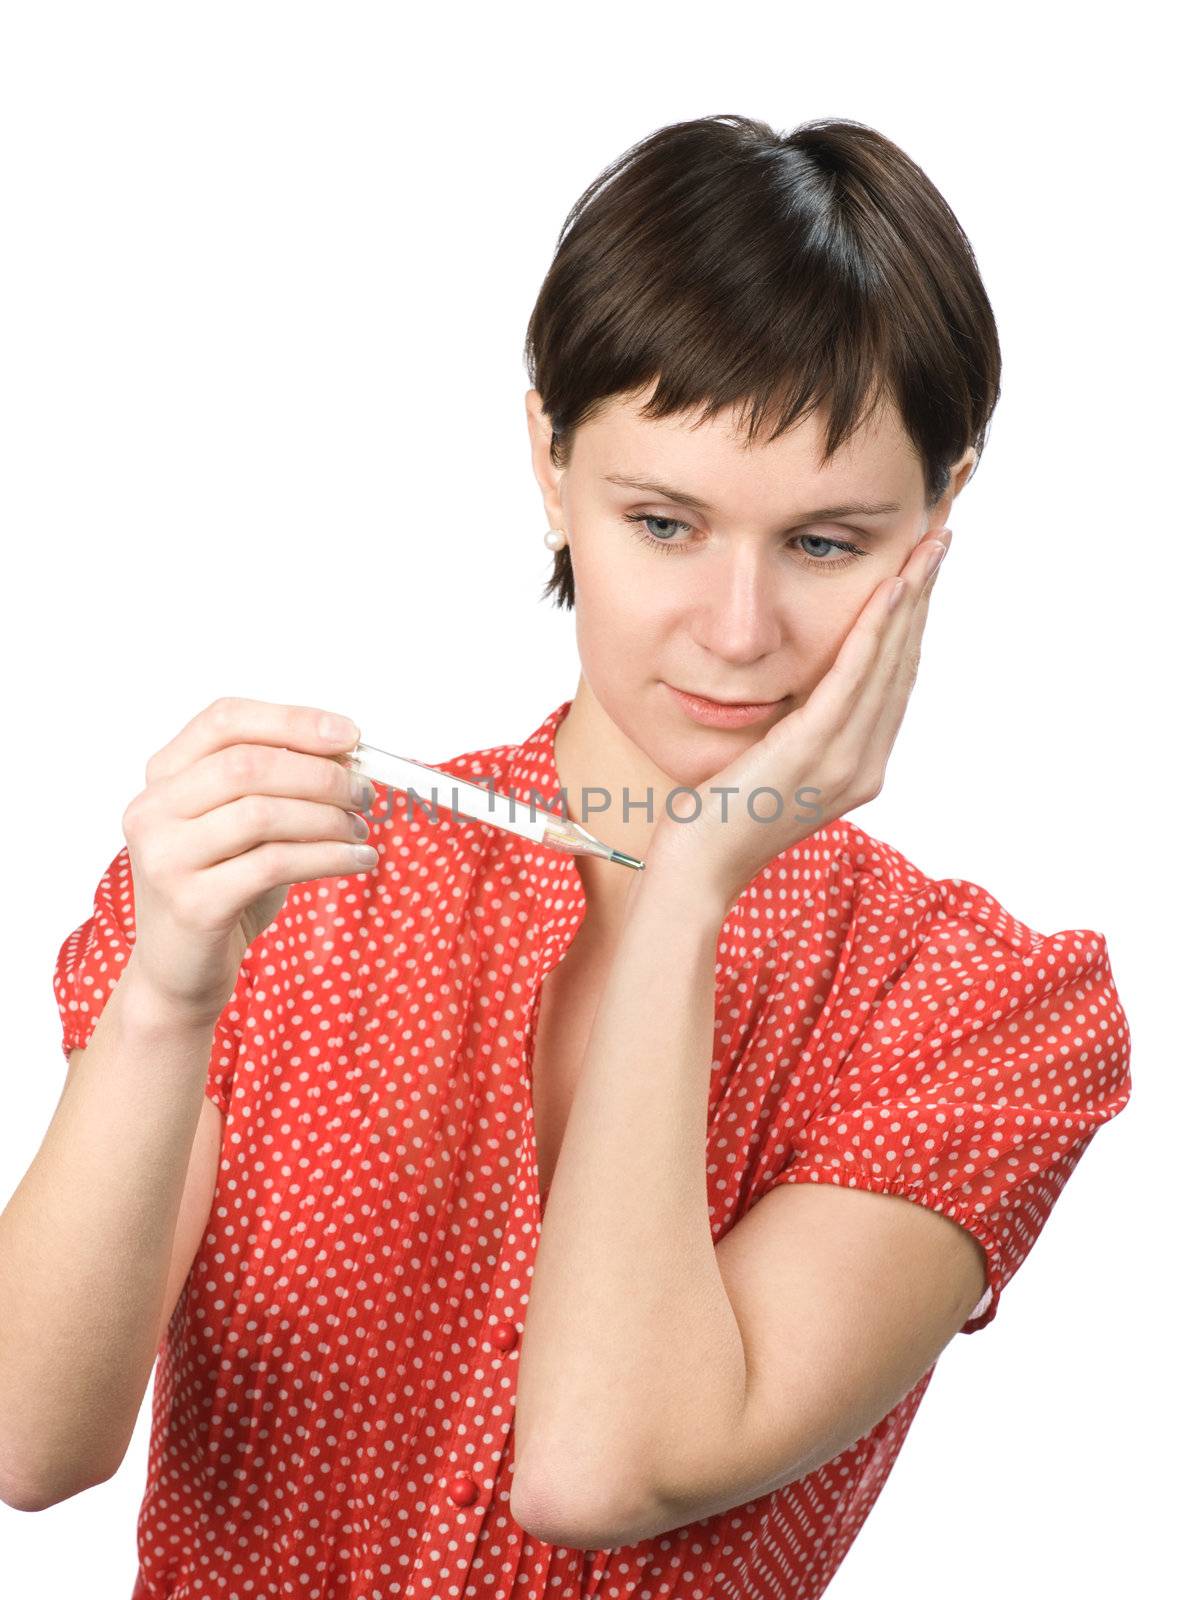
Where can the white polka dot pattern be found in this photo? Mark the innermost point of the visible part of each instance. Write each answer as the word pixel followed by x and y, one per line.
pixel 333 1402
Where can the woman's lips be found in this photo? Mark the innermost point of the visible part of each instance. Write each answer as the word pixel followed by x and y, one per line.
pixel 719 714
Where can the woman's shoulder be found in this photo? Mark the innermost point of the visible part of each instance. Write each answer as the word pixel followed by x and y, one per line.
pixel 895 898
pixel 927 967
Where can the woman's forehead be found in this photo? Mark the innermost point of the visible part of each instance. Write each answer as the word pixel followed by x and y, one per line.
pixel 877 463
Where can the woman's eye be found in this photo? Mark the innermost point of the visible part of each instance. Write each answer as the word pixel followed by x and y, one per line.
pixel 831 544
pixel 666 542
pixel 659 542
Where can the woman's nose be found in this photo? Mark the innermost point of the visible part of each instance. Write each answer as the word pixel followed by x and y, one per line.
pixel 738 615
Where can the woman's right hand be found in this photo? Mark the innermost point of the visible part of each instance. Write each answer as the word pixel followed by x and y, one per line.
pixel 247 799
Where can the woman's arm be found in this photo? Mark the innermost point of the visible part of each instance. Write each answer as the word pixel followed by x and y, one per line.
pixel 663 1379
pixel 629 1330
pixel 86 1244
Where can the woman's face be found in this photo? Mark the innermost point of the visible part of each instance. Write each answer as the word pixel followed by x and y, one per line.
pixel 745 597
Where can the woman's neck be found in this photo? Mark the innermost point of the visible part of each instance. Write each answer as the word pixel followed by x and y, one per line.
pixel 600 769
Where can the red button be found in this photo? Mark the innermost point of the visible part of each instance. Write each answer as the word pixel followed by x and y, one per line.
pixel 462 1489
pixel 504 1335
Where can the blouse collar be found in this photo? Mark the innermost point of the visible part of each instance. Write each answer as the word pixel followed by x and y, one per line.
pixel 758 922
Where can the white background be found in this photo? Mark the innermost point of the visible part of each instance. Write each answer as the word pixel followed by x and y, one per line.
pixel 264 282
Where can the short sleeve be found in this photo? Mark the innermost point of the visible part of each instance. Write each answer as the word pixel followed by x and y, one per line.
pixel 981 1078
pixel 90 962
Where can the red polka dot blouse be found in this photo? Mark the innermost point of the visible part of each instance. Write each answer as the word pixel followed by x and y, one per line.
pixel 334 1397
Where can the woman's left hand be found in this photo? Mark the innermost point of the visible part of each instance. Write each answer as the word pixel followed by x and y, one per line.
pixel 825 758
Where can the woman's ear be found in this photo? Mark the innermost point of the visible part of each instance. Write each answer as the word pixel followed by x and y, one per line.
pixel 537 420
pixel 961 473
pixel 547 476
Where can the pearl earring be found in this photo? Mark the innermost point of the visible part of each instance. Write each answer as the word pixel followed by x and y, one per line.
pixel 555 538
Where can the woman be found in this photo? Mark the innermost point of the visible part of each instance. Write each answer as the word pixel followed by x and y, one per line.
pixel 791 1112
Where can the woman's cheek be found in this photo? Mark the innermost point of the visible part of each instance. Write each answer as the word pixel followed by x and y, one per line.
pixel 819 637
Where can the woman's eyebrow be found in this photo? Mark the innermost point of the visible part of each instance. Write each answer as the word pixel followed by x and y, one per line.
pixel 852 508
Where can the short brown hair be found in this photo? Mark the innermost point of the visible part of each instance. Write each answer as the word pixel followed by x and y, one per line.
pixel 776 273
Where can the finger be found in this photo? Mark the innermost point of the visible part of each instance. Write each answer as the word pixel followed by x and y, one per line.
pixel 230 720
pixel 233 829
pixel 244 769
pixel 880 732
pixel 865 662
pixel 894 666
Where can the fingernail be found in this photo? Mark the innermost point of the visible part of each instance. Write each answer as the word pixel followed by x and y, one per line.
pixel 363 791
pixel 338 728
pixel 935 560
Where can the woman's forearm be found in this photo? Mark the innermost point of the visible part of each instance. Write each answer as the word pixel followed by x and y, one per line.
pixel 85 1250
pixel 629 1330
